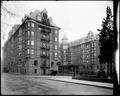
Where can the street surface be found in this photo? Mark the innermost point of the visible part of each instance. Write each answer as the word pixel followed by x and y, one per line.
pixel 24 85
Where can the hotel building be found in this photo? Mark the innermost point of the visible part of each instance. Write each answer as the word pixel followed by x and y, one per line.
pixel 32 47
pixel 83 56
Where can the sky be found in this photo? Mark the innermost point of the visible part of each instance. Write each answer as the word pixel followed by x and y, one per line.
pixel 75 18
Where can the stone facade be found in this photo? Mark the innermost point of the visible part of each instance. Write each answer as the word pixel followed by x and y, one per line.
pixel 83 56
pixel 33 45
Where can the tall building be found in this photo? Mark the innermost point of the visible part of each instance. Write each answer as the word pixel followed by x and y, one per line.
pixel 33 45
pixel 65 55
pixel 83 56
pixel 85 53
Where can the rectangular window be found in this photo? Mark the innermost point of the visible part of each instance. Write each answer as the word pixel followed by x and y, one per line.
pixel 86 46
pixel 55 54
pixel 55 38
pixel 56 47
pixel 94 43
pixel 28 33
pixel 91 67
pixel 43 52
pixel 52 63
pixel 87 61
pixel 56 32
pixel 20 39
pixel 44 36
pixel 32 42
pixel 87 56
pixel 32 51
pixel 64 51
pixel 28 24
pixel 35 63
pixel 20 32
pixel 97 67
pixel 32 33
pixel 35 70
pixel 91 50
pixel 20 47
pixel 28 51
pixel 28 42
pixel 19 54
pixel 94 48
pixel 94 54
pixel 39 28
pixel 32 24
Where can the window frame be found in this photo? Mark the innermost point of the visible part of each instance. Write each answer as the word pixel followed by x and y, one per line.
pixel 32 51
pixel 35 63
pixel 32 24
pixel 28 24
pixel 32 33
pixel 28 51
pixel 32 42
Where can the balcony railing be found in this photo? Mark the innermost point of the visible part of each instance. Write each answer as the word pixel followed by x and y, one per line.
pixel 45 48
pixel 45 39
pixel 44 56
pixel 44 66
pixel 45 31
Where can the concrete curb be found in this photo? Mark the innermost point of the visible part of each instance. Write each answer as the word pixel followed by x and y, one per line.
pixel 81 83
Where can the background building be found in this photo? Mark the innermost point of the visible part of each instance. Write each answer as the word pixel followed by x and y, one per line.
pixel 85 53
pixel 33 45
pixel 65 56
pixel 83 56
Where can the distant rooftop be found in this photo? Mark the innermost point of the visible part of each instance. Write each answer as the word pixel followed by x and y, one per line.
pixel 90 36
pixel 40 16
pixel 64 40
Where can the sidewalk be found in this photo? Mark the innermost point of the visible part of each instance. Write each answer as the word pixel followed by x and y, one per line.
pixel 84 82
pixel 69 80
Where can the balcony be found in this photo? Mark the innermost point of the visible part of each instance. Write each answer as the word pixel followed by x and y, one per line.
pixel 45 31
pixel 45 39
pixel 44 66
pixel 45 48
pixel 44 56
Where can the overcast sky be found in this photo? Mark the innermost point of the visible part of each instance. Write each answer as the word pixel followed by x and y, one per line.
pixel 75 18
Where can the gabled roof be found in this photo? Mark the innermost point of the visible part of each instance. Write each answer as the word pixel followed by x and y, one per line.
pixel 37 12
pixel 90 36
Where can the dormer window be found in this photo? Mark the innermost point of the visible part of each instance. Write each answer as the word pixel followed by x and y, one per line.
pixel 45 15
pixel 39 17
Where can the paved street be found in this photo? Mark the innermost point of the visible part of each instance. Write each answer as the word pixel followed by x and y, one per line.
pixel 29 85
